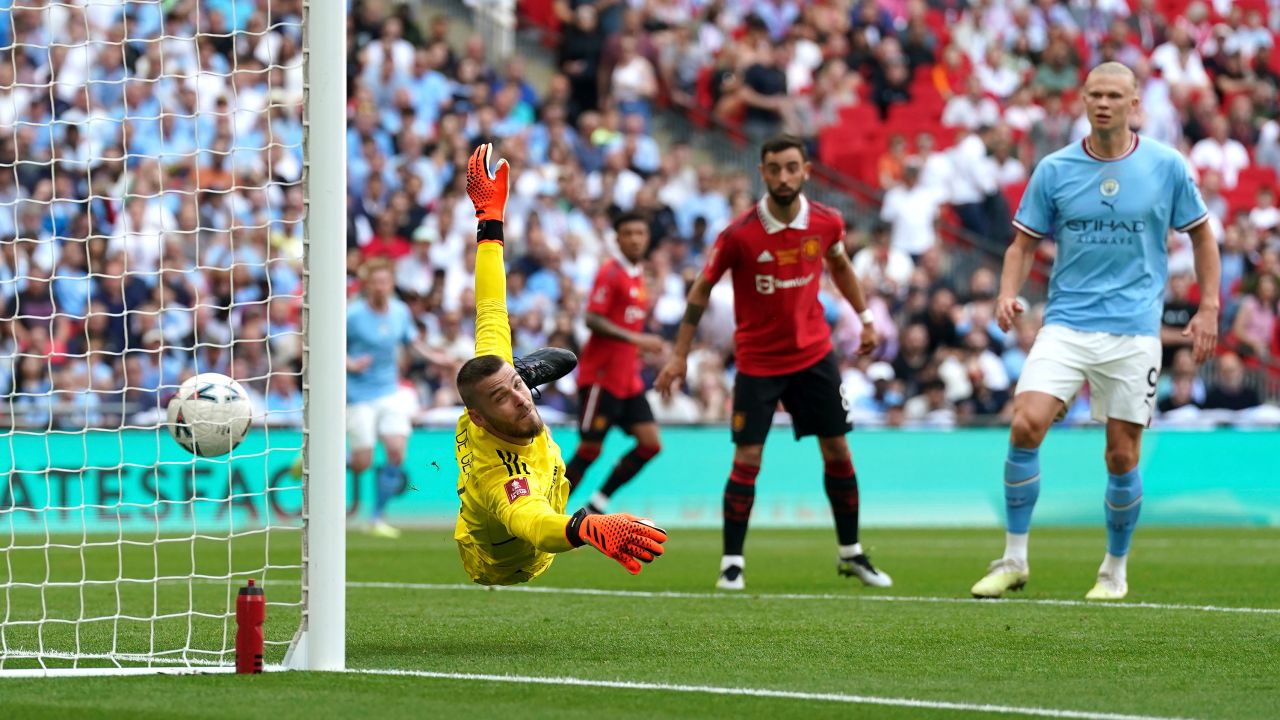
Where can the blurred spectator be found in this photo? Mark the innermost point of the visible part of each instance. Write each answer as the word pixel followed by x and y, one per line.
pixel 912 210
pixel 634 82
pixel 971 110
pixel 1179 61
pixel 974 183
pixel 1255 323
pixel 891 164
pixel 1211 193
pixel 1229 392
pixel 1178 311
pixel 1179 397
pixel 935 167
pixel 931 408
pixel 1182 368
pixel 1057 73
pixel 1009 169
pixel 284 400
pixel 882 267
pixel 891 84
pixel 1021 113
pixel 938 318
pixel 1221 153
pixel 998 76
pixel 1053 132
pixel 580 46
pixel 764 92
pixel 1265 216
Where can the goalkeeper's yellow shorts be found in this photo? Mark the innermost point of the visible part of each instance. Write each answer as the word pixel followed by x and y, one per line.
pixel 512 563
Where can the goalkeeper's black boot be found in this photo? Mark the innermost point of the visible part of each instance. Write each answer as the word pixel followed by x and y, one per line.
pixel 543 366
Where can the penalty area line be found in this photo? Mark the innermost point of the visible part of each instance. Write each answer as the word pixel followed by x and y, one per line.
pixel 765 693
pixel 657 594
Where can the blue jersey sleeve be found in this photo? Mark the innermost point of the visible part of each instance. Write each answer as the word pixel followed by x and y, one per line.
pixel 1189 209
pixel 1036 214
pixel 410 329
pixel 353 328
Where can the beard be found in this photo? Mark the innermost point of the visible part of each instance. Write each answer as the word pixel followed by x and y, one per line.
pixel 783 199
pixel 526 428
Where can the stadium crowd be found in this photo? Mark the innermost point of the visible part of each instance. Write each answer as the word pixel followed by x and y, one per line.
pixel 178 159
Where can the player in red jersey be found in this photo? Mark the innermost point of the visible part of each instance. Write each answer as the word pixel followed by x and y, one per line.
pixel 783 347
pixel 610 391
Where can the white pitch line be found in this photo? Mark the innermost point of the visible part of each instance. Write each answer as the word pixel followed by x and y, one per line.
pixel 811 596
pixel 767 693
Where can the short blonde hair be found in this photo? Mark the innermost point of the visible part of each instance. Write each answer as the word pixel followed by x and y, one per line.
pixel 1115 69
pixel 373 265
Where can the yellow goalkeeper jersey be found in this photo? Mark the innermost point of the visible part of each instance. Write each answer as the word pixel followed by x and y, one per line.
pixel 511 521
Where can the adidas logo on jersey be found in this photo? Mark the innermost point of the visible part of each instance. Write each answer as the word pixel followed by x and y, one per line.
pixel 765 256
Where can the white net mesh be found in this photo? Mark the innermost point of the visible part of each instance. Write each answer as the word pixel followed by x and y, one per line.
pixel 151 210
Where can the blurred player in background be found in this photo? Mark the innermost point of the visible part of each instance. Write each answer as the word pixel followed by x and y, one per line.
pixel 784 352
pixel 379 325
pixel 610 390
pixel 1108 202
pixel 511 480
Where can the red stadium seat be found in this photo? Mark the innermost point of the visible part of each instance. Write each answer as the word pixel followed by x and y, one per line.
pixel 1257 176
pixel 541 13
pixel 1239 200
pixel 1013 194
pixel 861 118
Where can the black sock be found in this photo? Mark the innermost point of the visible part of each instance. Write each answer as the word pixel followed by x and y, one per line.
pixel 627 467
pixel 841 483
pixel 577 467
pixel 739 496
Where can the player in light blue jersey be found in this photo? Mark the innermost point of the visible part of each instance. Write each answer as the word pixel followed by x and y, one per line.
pixel 1109 203
pixel 379 325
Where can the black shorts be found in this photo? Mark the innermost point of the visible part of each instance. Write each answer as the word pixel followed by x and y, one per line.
pixel 811 395
pixel 599 410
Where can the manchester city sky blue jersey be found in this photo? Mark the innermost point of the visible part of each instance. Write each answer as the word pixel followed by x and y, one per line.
pixel 380 336
pixel 1110 220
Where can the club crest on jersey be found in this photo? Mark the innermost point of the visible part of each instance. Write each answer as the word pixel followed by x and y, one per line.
pixel 1109 187
pixel 517 488
pixel 811 247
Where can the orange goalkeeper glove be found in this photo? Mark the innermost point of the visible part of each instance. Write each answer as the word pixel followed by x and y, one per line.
pixel 488 190
pixel 626 538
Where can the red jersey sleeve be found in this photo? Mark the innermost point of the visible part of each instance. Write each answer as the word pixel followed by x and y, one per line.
pixel 602 292
pixel 723 256
pixel 837 235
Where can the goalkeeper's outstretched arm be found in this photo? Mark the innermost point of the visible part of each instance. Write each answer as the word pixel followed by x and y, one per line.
pixel 626 538
pixel 488 191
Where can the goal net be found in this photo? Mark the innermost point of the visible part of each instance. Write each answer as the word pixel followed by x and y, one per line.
pixel 153 207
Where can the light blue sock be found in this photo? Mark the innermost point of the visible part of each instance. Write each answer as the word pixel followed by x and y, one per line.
pixel 1021 487
pixel 1124 501
pixel 389 477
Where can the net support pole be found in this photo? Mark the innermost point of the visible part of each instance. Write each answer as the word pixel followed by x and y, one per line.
pixel 324 640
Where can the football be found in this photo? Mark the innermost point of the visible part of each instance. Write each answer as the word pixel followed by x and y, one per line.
pixel 210 414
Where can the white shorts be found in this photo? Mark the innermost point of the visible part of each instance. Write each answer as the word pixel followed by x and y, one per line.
pixel 388 415
pixel 1121 369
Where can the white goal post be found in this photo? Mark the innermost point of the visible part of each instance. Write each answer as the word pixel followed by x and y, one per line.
pixel 172 202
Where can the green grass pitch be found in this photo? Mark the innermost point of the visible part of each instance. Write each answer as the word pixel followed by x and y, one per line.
pixel 799 628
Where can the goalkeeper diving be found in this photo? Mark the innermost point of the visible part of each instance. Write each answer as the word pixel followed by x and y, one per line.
pixel 511 481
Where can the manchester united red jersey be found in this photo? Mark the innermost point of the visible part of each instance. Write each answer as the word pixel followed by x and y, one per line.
pixel 777 271
pixel 618 296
